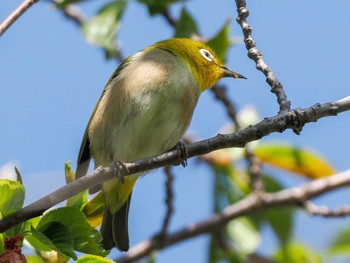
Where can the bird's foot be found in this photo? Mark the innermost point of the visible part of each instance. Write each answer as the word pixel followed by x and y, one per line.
pixel 183 153
pixel 119 166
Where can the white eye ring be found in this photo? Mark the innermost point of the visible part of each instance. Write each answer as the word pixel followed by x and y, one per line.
pixel 206 54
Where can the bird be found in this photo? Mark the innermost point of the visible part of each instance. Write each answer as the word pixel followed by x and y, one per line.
pixel 144 110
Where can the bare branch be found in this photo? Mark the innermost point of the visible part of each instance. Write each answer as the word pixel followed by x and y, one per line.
pixel 15 15
pixel 171 21
pixel 292 196
pixel 279 123
pixel 254 164
pixel 256 55
pixel 221 95
pixel 74 13
pixel 254 170
pixel 168 201
pixel 325 211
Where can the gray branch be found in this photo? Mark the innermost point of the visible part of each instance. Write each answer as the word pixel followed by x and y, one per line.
pixel 15 15
pixel 256 55
pixel 291 196
pixel 284 120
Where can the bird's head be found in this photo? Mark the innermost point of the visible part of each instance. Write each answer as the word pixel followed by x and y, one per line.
pixel 201 59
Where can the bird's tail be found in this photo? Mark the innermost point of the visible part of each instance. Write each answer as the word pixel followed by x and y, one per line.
pixel 114 228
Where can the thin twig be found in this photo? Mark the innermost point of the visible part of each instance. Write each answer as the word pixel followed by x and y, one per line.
pixel 325 211
pixel 256 55
pixel 254 163
pixel 15 15
pixel 76 15
pixel 168 201
pixel 221 95
pixel 171 21
pixel 279 123
pixel 263 201
pixel 254 170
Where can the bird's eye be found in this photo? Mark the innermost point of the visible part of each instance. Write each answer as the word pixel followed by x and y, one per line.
pixel 206 54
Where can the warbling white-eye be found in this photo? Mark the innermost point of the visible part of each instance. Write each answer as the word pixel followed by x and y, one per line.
pixel 144 110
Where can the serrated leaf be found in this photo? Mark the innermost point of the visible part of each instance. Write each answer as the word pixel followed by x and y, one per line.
pixel 60 236
pixel 186 26
pixel 40 241
pixel 221 42
pixel 93 259
pixel 28 224
pixel 294 159
pixel 86 239
pixel 94 209
pixel 341 243
pixel 12 197
pixel 157 7
pixel 78 200
pixel 101 30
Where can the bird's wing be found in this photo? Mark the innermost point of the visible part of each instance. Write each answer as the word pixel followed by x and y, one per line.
pixel 84 156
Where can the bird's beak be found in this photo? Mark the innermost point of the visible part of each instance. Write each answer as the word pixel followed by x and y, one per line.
pixel 230 73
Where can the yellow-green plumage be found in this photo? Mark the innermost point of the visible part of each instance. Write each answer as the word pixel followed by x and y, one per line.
pixel 144 110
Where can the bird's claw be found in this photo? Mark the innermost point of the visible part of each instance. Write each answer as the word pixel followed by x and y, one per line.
pixel 183 153
pixel 119 166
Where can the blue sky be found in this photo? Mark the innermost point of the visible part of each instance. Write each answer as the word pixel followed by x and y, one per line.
pixel 51 79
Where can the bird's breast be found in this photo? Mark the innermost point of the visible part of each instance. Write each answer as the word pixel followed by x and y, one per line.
pixel 145 110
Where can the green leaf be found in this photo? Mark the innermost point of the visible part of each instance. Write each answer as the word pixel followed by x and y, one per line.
pixel 222 251
pixel 78 200
pixel 101 30
pixel 19 176
pixel 94 209
pixel 341 243
pixel 43 243
pixel 64 3
pixel 60 236
pixel 229 186
pixel 294 252
pixel 280 219
pixel 244 235
pixel 85 238
pixel 2 243
pixel 93 259
pixel 158 7
pixel 12 197
pixel 281 222
pixel 294 159
pixel 186 27
pixel 234 242
pixel 271 184
pixel 68 172
pixel 28 224
pixel 34 259
pixel 221 42
pixel 151 258
pixel 40 241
